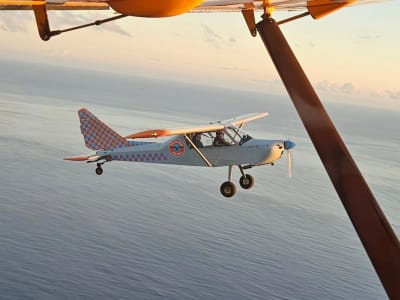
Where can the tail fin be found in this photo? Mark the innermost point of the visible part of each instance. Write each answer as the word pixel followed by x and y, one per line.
pixel 98 135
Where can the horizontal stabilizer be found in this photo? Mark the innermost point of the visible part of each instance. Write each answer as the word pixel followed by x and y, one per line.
pixel 83 158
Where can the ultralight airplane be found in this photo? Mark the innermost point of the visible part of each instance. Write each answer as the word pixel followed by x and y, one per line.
pixel 223 143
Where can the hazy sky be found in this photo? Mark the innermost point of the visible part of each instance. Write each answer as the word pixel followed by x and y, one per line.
pixel 351 55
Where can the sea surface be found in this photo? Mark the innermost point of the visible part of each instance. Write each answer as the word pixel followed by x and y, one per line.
pixel 146 231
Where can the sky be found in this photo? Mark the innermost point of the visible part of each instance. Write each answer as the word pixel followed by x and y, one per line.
pixel 349 56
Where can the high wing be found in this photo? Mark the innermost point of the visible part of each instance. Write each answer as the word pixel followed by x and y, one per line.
pixel 167 8
pixel 239 121
pixel 289 5
pixel 205 6
pixel 220 125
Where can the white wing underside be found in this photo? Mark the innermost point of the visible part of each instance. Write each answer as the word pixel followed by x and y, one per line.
pixel 205 7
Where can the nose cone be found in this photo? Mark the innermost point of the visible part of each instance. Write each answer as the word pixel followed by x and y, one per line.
pixel 288 145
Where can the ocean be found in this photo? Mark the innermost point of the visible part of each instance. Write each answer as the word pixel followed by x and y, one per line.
pixel 146 231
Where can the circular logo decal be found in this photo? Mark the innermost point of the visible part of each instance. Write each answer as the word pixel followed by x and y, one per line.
pixel 176 148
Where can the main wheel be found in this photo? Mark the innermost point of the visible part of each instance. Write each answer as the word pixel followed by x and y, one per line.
pixel 228 189
pixel 99 170
pixel 246 181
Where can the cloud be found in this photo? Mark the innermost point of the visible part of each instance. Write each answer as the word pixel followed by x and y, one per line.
pixel 59 53
pixel 17 21
pixel 65 19
pixel 214 39
pixel 232 39
pixel 326 86
pixel 393 95
pixel 370 37
pixel 309 44
pixel 346 88
pixel 211 37
pixel 13 22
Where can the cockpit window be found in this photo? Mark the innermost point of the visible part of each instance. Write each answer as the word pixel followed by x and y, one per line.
pixel 244 139
pixel 238 135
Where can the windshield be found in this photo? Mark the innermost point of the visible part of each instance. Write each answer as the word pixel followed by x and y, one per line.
pixel 238 135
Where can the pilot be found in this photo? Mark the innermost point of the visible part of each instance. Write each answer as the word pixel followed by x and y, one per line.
pixel 219 139
pixel 197 140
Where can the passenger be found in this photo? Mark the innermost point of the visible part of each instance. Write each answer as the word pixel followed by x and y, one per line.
pixel 219 139
pixel 197 140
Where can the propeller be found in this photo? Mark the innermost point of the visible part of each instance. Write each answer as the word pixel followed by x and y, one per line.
pixel 287 145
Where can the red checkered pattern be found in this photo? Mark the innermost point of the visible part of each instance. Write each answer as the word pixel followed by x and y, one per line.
pixel 144 157
pixel 97 135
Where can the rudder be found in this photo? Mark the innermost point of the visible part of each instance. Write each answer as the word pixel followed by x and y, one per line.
pixel 97 135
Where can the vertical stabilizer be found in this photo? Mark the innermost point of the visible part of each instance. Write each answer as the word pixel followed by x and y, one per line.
pixel 97 135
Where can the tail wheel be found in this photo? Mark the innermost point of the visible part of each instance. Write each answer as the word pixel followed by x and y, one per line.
pixel 228 189
pixel 246 181
pixel 99 170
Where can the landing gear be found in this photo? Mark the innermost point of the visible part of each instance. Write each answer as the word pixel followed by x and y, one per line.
pixel 99 169
pixel 228 189
pixel 246 181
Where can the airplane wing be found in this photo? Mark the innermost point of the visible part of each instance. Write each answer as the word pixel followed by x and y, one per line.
pixel 239 121
pixel 204 7
pixel 167 8
pixel 239 5
pixel 220 125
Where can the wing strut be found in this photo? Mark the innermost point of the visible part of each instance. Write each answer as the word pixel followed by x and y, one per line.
pixel 43 26
pixel 202 156
pixel 250 19
pixel 42 21
pixel 373 229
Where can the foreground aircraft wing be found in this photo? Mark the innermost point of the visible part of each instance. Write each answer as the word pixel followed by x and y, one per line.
pixel 238 121
pixel 167 8
pixel 205 6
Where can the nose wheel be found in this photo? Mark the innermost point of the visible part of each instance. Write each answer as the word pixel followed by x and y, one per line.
pixel 99 169
pixel 246 181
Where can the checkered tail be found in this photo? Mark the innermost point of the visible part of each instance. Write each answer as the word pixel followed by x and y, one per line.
pixel 97 135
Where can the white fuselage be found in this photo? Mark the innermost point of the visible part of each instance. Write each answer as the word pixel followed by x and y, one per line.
pixel 178 151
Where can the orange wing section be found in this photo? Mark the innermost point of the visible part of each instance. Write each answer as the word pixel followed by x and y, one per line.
pixel 238 121
pixel 153 8
pixel 155 133
pixel 321 8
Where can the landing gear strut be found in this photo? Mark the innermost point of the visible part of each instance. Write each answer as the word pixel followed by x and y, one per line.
pixel 246 181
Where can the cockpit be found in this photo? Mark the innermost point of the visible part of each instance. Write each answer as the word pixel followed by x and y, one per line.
pixel 231 135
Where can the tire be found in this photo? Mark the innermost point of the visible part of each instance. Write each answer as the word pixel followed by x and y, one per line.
pixel 246 181
pixel 228 189
pixel 99 170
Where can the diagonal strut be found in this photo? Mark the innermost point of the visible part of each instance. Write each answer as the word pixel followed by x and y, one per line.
pixel 373 229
